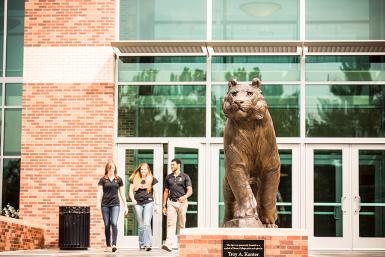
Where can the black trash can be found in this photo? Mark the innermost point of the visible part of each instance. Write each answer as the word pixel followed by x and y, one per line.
pixel 74 227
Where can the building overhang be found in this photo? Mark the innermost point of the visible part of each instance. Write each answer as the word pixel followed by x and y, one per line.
pixel 212 48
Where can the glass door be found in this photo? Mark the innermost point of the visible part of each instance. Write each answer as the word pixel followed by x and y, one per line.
pixel 288 191
pixel 328 196
pixel 129 157
pixel 191 156
pixel 368 196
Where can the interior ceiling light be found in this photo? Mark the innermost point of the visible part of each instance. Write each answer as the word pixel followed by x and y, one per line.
pixel 260 9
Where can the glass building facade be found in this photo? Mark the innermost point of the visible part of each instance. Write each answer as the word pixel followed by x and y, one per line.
pixel 11 70
pixel 322 69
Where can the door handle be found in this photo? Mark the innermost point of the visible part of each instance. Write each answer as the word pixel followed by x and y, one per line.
pixel 343 198
pixel 358 200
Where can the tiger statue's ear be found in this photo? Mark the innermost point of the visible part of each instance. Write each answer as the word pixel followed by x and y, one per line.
pixel 232 83
pixel 256 82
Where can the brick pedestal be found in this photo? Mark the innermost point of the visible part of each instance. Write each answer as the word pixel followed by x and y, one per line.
pixel 207 242
pixel 18 234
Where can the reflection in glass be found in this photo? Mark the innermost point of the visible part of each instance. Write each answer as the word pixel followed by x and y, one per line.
pixel 245 68
pixel 11 183
pixel 132 160
pixel 12 132
pixel 328 218
pixel 345 110
pixel 162 20
pixel 221 208
pixel 284 196
pixel 161 111
pixel 255 20
pixel 345 20
pixel 162 69
pixel 283 102
pixel 345 68
pixel 189 159
pixel 1 36
pixel 372 193
pixel 13 94
pixel 15 38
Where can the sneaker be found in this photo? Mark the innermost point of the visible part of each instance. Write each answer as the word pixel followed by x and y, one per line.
pixel 108 249
pixel 165 247
pixel 114 248
pixel 147 248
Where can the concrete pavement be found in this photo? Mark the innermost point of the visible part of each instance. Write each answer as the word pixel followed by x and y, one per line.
pixel 161 253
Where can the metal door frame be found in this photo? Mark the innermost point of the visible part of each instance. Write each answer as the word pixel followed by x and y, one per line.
pixel 132 241
pixel 361 242
pixel 344 242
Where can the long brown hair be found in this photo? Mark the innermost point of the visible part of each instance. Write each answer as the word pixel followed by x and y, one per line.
pixel 108 167
pixel 136 178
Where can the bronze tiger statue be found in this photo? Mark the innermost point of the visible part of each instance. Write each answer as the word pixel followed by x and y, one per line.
pixel 252 165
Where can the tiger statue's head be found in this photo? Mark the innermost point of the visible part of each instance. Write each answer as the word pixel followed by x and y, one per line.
pixel 244 101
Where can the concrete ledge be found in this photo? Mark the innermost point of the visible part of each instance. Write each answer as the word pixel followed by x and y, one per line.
pixel 21 222
pixel 244 231
pixel 278 242
pixel 18 234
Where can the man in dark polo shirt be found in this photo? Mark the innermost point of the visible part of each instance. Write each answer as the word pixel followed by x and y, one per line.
pixel 177 188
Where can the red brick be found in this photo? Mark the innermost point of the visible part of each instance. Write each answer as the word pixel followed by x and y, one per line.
pixel 194 255
pixel 286 251
pixel 80 117
pixel 69 23
pixel 200 241
pixel 20 237
pixel 294 238
pixel 286 242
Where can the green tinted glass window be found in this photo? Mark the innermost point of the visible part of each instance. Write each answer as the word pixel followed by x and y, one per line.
pixel 162 20
pixel 1 121
pixel 345 20
pixel 12 132
pixel 189 165
pixel 245 68
pixel 1 36
pixel 11 183
pixel 283 102
pixel 162 69
pixel 255 20
pixel 15 38
pixel 371 190
pixel 345 68
pixel 13 94
pixel 161 111
pixel 328 188
pixel 345 110
pixel 132 160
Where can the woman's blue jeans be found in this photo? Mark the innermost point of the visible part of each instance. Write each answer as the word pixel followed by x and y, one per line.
pixel 144 216
pixel 110 218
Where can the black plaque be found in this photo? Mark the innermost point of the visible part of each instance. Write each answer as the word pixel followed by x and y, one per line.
pixel 243 248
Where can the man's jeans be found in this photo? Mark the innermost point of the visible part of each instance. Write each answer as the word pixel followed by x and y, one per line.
pixel 110 218
pixel 144 216
pixel 176 211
